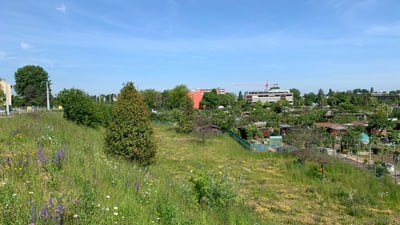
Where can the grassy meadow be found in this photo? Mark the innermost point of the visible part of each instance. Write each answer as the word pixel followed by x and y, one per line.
pixel 53 171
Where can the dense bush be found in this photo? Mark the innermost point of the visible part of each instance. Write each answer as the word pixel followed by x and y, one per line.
pixel 211 190
pixel 130 134
pixel 79 107
pixel 380 169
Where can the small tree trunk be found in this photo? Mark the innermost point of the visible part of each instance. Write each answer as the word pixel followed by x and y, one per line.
pixel 322 171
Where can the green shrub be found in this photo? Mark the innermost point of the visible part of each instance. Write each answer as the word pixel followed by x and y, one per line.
pixel 79 107
pixel 314 171
pixel 212 190
pixel 167 212
pixel 357 211
pixel 380 169
pixel 130 134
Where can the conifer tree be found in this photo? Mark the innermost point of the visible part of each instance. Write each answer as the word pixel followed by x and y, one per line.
pixel 130 134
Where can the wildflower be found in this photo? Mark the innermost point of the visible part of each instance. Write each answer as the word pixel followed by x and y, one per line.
pixel 58 158
pixel 115 208
pixel 115 214
pixel 14 194
pixel 42 157
pixel 75 216
pixel 33 213
pixel 107 196
pixel 98 205
pixel 43 213
pixel 31 193
pixel 59 212
pixel 107 209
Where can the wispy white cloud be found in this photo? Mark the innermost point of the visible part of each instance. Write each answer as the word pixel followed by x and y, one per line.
pixel 62 8
pixel 25 45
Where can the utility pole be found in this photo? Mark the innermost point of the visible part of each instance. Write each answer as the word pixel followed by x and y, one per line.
pixel 48 95
pixel 7 100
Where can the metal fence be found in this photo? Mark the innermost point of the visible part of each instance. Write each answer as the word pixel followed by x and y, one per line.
pixel 246 144
pixel 22 110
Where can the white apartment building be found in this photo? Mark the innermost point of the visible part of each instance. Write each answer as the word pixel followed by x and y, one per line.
pixel 272 95
pixel 6 89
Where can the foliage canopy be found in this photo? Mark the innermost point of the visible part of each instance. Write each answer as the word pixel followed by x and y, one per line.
pixel 30 84
pixel 79 107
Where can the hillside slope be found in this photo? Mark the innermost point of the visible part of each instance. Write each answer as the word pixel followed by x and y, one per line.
pixel 52 170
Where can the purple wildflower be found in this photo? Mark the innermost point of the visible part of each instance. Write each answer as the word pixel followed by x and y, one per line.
pixel 51 203
pixel 41 155
pixel 43 213
pixel 33 214
pixel 50 215
pixel 58 157
pixel 59 212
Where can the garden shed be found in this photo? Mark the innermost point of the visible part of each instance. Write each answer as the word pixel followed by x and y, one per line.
pixel 275 140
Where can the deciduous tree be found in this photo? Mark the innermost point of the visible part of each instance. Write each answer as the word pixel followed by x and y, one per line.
pixel 179 101
pixel 30 84
pixel 151 98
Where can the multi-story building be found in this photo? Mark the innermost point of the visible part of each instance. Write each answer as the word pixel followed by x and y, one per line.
pixel 385 96
pixel 273 95
pixel 197 95
pixel 6 89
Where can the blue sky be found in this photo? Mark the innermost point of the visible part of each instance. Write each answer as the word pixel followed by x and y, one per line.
pixel 98 45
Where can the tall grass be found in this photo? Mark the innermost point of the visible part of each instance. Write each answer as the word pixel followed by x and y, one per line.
pixel 55 172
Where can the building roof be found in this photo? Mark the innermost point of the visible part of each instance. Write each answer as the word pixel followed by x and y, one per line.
pixel 332 126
